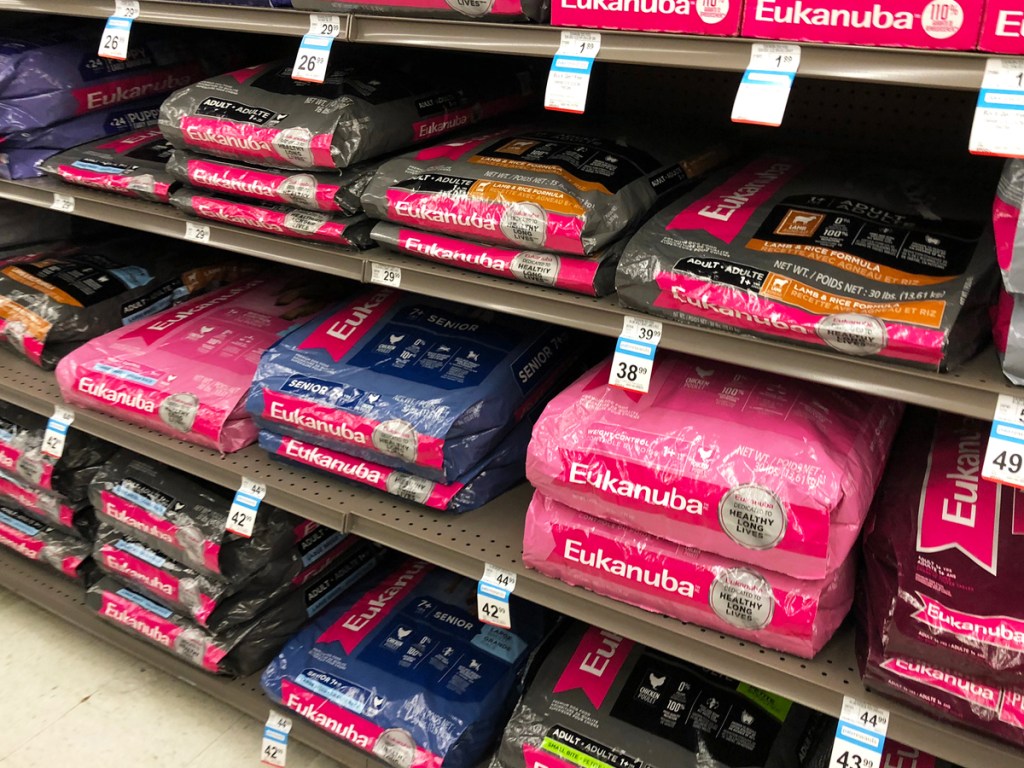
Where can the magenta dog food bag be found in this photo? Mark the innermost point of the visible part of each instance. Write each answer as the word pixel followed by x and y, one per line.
pixel 597 693
pixel 413 383
pixel 864 260
pixel 21 454
pixel 534 189
pixel 1008 334
pixel 946 692
pixel 759 468
pixel 186 371
pixel 277 219
pixel 956 543
pixel 187 519
pixel 261 115
pixel 336 191
pixel 1009 225
pixel 771 609
pixel 469 10
pixel 73 518
pixel 593 275
pixel 32 539
pixel 133 165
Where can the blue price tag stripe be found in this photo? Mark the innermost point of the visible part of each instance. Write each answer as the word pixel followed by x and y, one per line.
pixel 767 77
pixel 247 500
pixel 993 98
pixel 581 65
pixel 317 42
pixel 60 427
pixel 1012 433
pixel 633 348
pixel 119 22
pixel 489 590
pixel 854 734
pixel 275 735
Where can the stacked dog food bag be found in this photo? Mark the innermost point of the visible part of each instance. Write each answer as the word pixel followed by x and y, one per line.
pixel 184 570
pixel 941 626
pixel 1008 314
pixel 535 205
pixel 186 371
pixel 401 667
pixel 859 258
pixel 724 497
pixel 45 473
pixel 417 397
pixel 463 10
pixel 262 150
pixel 56 92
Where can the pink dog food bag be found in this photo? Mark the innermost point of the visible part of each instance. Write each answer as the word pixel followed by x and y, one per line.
pixel 1009 225
pixel 762 469
pixel 186 371
pixel 1002 30
pixel 770 609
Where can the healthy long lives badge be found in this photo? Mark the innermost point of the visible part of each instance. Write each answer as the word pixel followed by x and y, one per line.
pixel 633 362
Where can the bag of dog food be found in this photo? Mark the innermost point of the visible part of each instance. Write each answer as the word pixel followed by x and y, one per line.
pixel 1009 225
pixel 413 383
pixel 536 189
pixel 759 468
pixel 36 541
pixel 336 191
pixel 488 10
pixel 866 260
pixel 186 371
pixel 72 518
pixel 774 610
pixel 381 104
pixel 132 165
pixel 401 667
pixel 276 219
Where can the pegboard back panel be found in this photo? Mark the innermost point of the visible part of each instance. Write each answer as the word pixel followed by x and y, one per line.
pixel 872 118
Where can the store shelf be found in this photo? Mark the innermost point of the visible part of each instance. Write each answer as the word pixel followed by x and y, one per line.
pixel 493 534
pixel 972 390
pixel 52 592
pixel 891 66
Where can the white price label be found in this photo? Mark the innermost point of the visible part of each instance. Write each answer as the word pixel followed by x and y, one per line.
pixel 860 736
pixel 245 505
pixel 315 49
pixel 56 433
pixel 127 9
pixel 569 78
pixel 764 90
pixel 999 117
pixel 382 274
pixel 275 740
pixel 65 203
pixel 117 33
pixel 1004 456
pixel 633 361
pixel 197 233
pixel 492 596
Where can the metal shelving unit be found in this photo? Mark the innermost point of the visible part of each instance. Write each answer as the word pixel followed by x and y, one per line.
pixel 962 71
pixel 65 599
pixel 493 534
pixel 971 390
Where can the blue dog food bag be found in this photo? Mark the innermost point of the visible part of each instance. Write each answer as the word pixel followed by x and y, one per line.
pixel 409 382
pixel 400 667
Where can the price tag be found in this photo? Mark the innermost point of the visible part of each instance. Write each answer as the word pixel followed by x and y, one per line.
pixel 315 49
pixel 197 233
pixel 999 117
pixel 492 596
pixel 65 203
pixel 764 90
pixel 242 515
pixel 569 78
pixel 114 41
pixel 56 433
pixel 1004 456
pixel 634 354
pixel 860 736
pixel 382 274
pixel 275 740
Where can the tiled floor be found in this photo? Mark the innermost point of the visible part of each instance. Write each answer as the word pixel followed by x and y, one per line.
pixel 67 700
